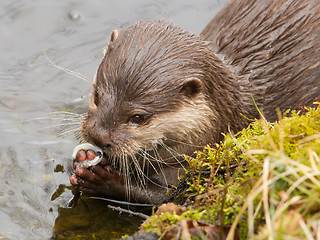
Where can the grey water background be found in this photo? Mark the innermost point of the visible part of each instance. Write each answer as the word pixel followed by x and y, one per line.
pixel 73 34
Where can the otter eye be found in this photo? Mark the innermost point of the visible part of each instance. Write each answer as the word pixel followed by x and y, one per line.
pixel 137 119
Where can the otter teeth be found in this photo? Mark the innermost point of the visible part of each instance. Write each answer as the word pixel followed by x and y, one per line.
pixel 88 146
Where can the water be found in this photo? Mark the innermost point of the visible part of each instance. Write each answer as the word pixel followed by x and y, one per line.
pixel 34 157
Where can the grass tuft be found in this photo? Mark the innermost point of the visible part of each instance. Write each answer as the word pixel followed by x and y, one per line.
pixel 262 183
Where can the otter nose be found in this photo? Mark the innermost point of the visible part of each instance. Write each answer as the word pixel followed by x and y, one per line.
pixel 100 139
pixel 101 142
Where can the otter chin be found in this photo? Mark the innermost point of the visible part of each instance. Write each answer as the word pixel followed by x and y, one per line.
pixel 161 93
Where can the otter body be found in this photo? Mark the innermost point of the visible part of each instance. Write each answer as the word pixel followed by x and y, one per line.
pixel 161 92
pixel 274 49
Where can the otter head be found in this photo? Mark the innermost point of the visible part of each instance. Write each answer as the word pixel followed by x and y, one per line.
pixel 148 93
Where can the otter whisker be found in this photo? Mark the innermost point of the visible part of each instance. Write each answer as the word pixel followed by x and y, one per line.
pixel 63 124
pixel 149 161
pixel 68 123
pixel 79 138
pixel 175 155
pixel 160 165
pixel 67 113
pixel 127 178
pixel 158 158
pixel 144 161
pixel 140 178
pixel 139 171
pixel 114 163
pixel 187 143
pixel 73 73
pixel 60 113
pixel 144 154
pixel 142 184
pixel 71 130
pixel 60 125
pixel 62 118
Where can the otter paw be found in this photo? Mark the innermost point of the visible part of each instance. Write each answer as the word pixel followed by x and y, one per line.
pixel 98 180
pixel 86 155
pixel 93 175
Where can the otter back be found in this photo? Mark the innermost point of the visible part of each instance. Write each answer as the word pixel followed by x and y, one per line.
pixel 273 47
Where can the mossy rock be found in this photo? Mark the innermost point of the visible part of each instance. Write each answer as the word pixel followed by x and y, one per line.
pixel 262 182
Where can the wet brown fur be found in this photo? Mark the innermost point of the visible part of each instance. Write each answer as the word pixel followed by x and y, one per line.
pixel 192 88
pixel 273 47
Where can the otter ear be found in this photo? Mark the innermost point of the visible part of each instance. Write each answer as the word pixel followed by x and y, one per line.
pixel 114 36
pixel 192 86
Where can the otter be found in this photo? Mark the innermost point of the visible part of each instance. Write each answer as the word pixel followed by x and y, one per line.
pixel 161 92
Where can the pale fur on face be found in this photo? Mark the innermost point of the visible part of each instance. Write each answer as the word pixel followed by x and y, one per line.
pixel 183 126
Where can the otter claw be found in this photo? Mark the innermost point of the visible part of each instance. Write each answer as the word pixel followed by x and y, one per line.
pixel 87 163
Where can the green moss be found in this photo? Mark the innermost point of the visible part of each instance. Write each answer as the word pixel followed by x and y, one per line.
pixel 260 175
